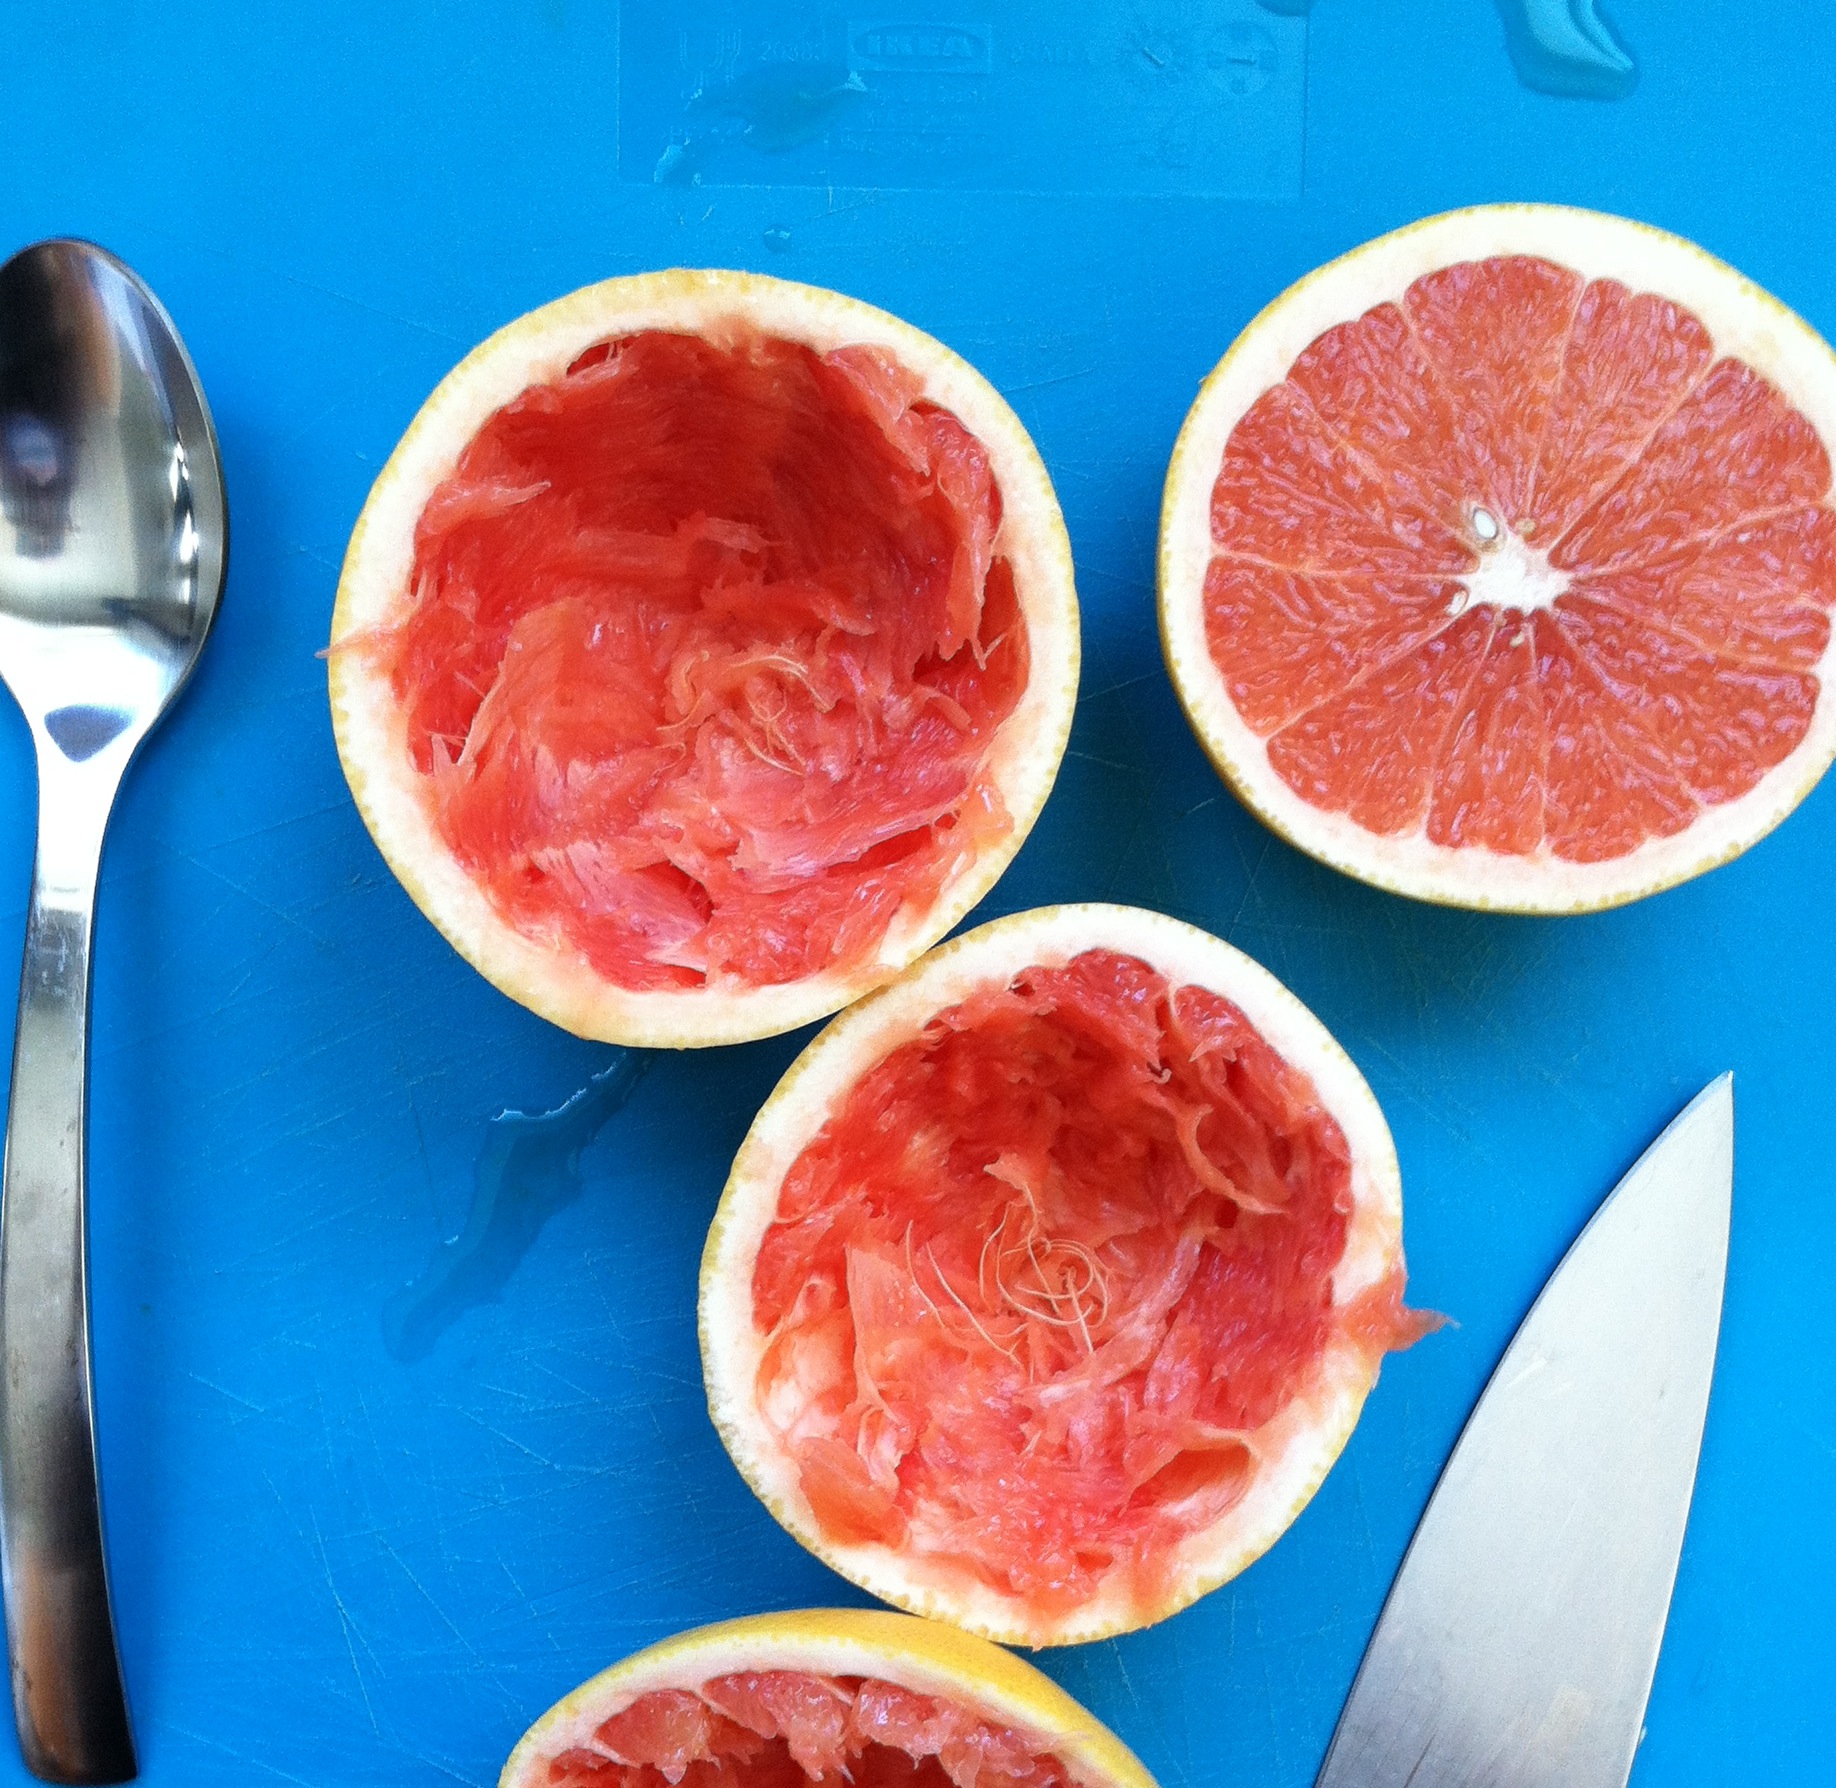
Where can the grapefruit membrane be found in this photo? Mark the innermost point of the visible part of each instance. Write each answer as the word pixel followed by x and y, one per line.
pixel 1050 1281
pixel 1497 559
pixel 821 1695
pixel 705 650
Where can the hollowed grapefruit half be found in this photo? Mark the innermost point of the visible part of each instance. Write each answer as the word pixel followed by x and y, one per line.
pixel 704 651
pixel 821 1695
pixel 1497 560
pixel 1050 1281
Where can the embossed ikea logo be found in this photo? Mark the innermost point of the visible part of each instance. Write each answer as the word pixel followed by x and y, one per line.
pixel 901 47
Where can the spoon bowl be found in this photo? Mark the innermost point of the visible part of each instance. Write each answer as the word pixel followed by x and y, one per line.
pixel 113 542
pixel 110 481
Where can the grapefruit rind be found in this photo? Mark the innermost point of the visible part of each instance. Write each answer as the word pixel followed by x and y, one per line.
pixel 923 1656
pixel 1743 319
pixel 1298 1449
pixel 549 975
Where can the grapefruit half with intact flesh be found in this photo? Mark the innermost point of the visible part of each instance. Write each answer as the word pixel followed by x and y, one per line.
pixel 1497 561
pixel 705 651
pixel 822 1695
pixel 1051 1280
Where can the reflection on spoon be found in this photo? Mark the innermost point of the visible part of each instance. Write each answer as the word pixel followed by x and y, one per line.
pixel 528 1169
pixel 35 482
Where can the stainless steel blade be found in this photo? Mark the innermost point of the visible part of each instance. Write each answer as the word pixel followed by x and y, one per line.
pixel 1517 1646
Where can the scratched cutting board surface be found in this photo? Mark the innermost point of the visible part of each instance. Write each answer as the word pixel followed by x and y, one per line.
pixel 400 1405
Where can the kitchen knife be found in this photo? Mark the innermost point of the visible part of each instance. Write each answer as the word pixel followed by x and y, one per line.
pixel 1518 1643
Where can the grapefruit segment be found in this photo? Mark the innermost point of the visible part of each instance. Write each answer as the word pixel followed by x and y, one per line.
pixel 1418 696
pixel 1294 639
pixel 785 1700
pixel 1496 561
pixel 1029 1301
pixel 1761 593
pixel 1734 450
pixel 1631 359
pixel 1493 332
pixel 1289 495
pixel 1609 785
pixel 706 649
pixel 1488 776
pixel 1720 721
pixel 1369 385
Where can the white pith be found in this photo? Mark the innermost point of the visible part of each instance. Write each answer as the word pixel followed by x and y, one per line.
pixel 1298 1448
pixel 1744 322
pixel 1512 575
pixel 548 974
pixel 919 1656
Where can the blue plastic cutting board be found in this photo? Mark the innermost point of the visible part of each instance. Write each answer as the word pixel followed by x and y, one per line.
pixel 367 1519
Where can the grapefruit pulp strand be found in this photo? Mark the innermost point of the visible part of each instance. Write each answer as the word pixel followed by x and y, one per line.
pixel 784 1728
pixel 1529 531
pixel 1036 1291
pixel 706 648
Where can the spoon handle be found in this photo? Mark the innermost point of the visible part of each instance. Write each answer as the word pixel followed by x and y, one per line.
pixel 68 1696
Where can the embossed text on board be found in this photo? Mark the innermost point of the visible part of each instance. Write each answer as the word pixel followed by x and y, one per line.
pixel 1158 96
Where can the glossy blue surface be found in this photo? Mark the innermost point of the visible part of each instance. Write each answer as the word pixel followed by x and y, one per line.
pixel 339 1565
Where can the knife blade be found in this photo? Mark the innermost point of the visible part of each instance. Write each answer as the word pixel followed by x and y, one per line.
pixel 1518 1643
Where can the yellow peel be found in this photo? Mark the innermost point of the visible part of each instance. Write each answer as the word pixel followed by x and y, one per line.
pixel 547 975
pixel 1308 1436
pixel 919 1655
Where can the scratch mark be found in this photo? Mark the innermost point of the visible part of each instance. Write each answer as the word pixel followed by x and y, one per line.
pixel 1096 695
pixel 1816 1439
pixel 246 1758
pixel 1249 888
pixel 1268 1691
pixel 306 552
pixel 344 1620
pixel 1124 855
pixel 1083 372
pixel 374 310
pixel 1128 1682
pixel 1529 1371
pixel 445 1618
pixel 267 906
pixel 222 1391
pixel 1105 763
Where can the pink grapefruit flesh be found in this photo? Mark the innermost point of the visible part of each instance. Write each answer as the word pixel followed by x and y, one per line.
pixel 1528 563
pixel 707 648
pixel 1053 1285
pixel 1674 661
pixel 784 1728
pixel 825 1695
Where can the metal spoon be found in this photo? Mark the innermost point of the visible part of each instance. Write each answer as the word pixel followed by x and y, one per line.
pixel 113 535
